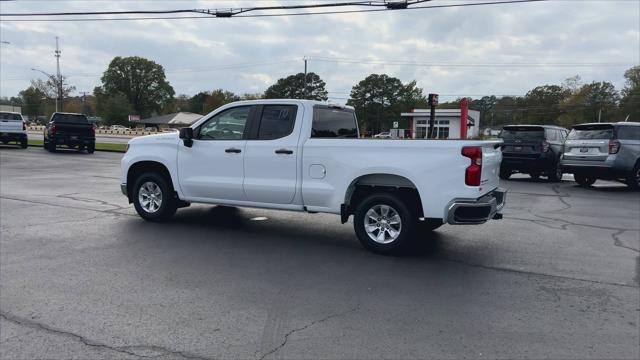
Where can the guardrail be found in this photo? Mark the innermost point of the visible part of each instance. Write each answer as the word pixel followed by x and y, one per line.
pixel 110 132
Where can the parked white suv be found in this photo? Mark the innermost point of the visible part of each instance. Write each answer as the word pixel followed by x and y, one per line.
pixel 13 128
pixel 305 155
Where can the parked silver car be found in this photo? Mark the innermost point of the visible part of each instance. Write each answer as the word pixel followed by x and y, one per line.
pixel 608 151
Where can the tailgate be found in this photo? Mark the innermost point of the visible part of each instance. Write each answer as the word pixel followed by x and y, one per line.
pixel 10 125
pixel 491 159
pixel 79 130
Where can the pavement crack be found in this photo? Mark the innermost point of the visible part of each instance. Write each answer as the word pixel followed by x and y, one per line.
pixel 110 211
pixel 302 328
pixel 619 243
pixel 524 272
pixel 132 350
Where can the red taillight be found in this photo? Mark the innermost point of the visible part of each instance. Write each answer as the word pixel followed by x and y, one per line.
pixel 93 130
pixel 24 126
pixel 53 129
pixel 544 147
pixel 474 171
pixel 614 146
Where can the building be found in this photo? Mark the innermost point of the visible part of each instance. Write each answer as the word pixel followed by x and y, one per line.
pixel 175 120
pixel 11 108
pixel 446 126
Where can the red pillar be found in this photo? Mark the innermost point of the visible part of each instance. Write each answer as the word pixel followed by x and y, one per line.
pixel 464 115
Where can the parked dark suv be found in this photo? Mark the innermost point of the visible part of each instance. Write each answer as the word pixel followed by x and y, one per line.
pixel 533 150
pixel 609 151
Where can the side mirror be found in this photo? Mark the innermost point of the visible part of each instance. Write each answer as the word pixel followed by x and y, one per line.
pixel 186 134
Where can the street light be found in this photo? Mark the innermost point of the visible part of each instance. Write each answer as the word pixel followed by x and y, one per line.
pixel 56 82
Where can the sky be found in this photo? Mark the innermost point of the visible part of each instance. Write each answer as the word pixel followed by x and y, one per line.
pixel 504 49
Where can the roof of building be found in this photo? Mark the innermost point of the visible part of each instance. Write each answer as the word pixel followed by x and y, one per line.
pixel 179 118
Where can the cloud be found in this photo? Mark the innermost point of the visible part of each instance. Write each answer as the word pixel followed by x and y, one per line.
pixel 197 52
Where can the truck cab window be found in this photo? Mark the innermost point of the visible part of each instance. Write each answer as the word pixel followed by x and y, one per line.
pixel 228 125
pixel 276 121
pixel 334 123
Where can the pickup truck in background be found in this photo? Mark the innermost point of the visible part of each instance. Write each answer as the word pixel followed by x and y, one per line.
pixel 13 128
pixel 71 130
pixel 304 155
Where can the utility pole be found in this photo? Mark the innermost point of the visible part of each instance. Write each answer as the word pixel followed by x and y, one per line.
pixel 57 55
pixel 304 91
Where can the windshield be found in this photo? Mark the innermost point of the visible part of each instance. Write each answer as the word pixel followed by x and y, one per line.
pixel 70 118
pixel 522 133
pixel 10 116
pixel 587 132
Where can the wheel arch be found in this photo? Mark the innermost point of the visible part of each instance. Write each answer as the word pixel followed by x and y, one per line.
pixel 364 185
pixel 141 167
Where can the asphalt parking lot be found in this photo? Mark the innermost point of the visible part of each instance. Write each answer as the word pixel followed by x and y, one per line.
pixel 82 276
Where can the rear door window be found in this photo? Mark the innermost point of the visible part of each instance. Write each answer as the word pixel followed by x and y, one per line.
pixel 276 121
pixel 334 123
pixel 591 132
pixel 629 132
pixel 522 133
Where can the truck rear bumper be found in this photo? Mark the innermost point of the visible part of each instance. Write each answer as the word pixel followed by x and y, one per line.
pixel 13 136
pixel 476 211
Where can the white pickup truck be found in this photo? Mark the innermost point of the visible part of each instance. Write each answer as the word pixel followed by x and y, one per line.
pixel 306 155
pixel 13 128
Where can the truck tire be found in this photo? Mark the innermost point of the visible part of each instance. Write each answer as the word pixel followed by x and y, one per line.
pixel 584 180
pixel 24 144
pixel 51 146
pixel 384 224
pixel 555 173
pixel 91 148
pixel 505 173
pixel 633 180
pixel 153 197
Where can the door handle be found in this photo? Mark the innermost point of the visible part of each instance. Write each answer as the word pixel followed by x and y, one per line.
pixel 233 150
pixel 284 151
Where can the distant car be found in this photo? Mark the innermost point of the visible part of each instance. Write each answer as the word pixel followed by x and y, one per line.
pixel 383 135
pixel 608 151
pixel 71 130
pixel 533 150
pixel 13 128
pixel 118 128
pixel 151 129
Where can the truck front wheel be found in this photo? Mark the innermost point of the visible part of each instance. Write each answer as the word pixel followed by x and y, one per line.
pixel 153 197
pixel 384 224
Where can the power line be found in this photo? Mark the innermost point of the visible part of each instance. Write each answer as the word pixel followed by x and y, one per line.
pixel 399 4
pixel 223 14
pixel 453 64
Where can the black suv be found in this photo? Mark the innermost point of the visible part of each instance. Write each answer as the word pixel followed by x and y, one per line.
pixel 532 149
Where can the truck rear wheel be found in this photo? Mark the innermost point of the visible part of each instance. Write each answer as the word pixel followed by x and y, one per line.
pixel 91 148
pixel 24 144
pixel 51 146
pixel 384 224
pixel 153 197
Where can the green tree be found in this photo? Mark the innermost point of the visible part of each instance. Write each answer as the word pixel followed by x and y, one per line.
pixel 543 104
pixel 293 87
pixel 589 103
pixel 33 102
pixel 114 109
pixel 218 98
pixel 630 102
pixel 379 100
pixel 142 82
